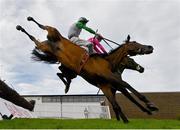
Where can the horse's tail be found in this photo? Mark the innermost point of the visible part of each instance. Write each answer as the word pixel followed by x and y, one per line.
pixel 46 57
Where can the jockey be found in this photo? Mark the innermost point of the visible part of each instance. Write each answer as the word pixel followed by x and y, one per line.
pixel 98 48
pixel 75 31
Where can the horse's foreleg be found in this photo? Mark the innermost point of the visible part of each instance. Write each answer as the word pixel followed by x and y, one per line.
pixel 119 82
pixel 126 93
pixel 149 104
pixel 110 94
pixel 67 82
pixel 116 81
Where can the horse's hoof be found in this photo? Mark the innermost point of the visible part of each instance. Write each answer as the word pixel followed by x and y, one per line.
pixel 32 102
pixel 126 121
pixel 141 70
pixel 29 18
pixel 152 107
pixel 67 87
pixel 149 112
pixel 18 27
pixel 66 90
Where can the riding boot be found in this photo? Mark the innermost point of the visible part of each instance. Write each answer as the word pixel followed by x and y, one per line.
pixel 90 47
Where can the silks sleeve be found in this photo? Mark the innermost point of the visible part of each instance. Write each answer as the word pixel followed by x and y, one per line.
pixel 83 26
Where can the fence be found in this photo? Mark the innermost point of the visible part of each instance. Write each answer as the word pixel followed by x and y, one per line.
pixel 71 111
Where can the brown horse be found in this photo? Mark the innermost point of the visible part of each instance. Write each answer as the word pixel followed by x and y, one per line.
pixel 97 70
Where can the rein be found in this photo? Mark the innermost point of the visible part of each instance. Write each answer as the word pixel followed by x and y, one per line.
pixel 102 39
pixel 111 41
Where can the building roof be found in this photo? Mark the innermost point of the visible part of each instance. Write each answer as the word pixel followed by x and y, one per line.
pixel 62 95
pixel 95 94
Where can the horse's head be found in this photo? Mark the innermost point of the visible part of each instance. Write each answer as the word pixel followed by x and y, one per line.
pixel 135 48
pixel 129 63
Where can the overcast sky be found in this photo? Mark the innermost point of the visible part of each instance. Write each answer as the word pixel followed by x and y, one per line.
pixel 152 22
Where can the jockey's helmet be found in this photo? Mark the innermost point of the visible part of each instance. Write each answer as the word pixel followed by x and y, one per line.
pixel 83 19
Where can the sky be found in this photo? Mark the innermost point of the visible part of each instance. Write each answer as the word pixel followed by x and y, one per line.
pixel 150 22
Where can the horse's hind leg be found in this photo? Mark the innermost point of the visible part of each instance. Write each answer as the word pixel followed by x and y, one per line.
pixel 40 25
pixel 43 46
pixel 53 33
pixel 110 94
pixel 19 28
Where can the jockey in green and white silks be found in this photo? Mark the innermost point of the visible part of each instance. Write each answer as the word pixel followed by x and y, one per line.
pixel 75 31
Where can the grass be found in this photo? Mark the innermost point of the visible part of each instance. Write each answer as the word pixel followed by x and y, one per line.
pixel 88 124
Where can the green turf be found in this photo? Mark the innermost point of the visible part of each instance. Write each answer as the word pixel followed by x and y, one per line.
pixel 88 124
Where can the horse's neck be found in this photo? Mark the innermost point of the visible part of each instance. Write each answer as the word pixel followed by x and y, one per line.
pixel 115 58
pixel 121 68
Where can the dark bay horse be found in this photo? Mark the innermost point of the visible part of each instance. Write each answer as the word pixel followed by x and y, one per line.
pixel 127 63
pixel 97 70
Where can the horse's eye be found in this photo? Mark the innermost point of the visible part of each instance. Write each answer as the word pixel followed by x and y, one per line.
pixel 57 48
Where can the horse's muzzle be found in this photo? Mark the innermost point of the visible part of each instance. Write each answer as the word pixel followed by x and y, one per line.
pixel 150 48
pixel 147 50
pixel 140 69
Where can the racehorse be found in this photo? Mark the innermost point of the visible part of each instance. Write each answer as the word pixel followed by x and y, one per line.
pixel 97 70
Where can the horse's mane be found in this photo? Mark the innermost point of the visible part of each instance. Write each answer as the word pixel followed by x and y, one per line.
pixel 45 57
pixel 112 51
pixel 99 55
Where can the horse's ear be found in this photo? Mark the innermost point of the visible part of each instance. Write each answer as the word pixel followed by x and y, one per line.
pixel 128 38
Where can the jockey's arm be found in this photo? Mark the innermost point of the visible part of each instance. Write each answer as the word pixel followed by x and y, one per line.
pixel 83 26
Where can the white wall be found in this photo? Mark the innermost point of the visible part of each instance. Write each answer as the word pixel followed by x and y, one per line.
pixel 68 109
